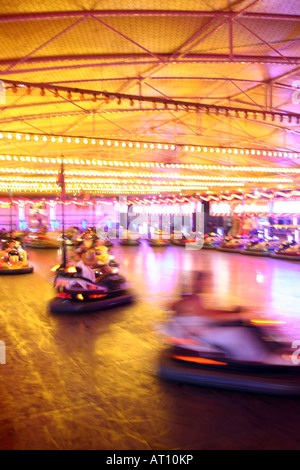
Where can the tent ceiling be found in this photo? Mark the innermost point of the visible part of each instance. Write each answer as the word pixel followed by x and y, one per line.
pixel 231 53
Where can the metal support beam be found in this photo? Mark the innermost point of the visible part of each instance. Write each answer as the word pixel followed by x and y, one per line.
pixel 143 13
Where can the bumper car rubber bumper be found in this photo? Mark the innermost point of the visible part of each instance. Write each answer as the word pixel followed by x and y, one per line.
pixel 130 242
pixel 255 253
pixel 285 257
pixel 10 272
pixel 272 384
pixel 58 305
pixel 229 250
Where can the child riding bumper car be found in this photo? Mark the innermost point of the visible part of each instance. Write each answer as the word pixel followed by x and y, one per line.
pixel 14 260
pixel 88 287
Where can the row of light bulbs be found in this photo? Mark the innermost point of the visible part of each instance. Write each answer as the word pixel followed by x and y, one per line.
pixel 181 178
pixel 87 184
pixel 146 145
pixel 122 164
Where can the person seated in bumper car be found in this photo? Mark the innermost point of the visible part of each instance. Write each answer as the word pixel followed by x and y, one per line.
pixel 13 256
pixel 88 263
pixel 194 305
pixel 87 243
pixel 101 252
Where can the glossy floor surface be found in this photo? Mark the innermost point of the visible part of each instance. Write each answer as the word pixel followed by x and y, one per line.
pixel 90 382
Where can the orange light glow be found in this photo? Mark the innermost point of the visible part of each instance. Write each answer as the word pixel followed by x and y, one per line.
pixel 200 360
pixel 55 268
pixel 71 269
pixel 181 340
pixel 267 322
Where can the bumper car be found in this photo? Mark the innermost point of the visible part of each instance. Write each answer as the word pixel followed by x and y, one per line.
pixel 158 239
pixel 40 240
pixel 242 355
pixel 287 250
pixel 105 241
pixel 260 247
pixel 130 239
pixel 77 294
pixel 14 261
pixel 179 239
pixel 211 241
pixel 233 245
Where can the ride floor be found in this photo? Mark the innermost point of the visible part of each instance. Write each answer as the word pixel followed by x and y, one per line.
pixel 90 381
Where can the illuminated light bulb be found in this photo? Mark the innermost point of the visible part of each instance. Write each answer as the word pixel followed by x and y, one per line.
pixel 212 150
pixel 186 148
pixel 130 144
pixel 85 141
pixel 138 145
pixel 18 136
pixel 69 140
pixel 205 149
pixel 53 139
pixel 70 161
pixel 93 142
pixel 229 150
pixel 60 140
pixel 77 141
pixel 108 142
pixel 159 146
pixel 9 136
pixel 235 151
pixel 8 157
pixel 45 139
pixel 116 143
pixel 258 152
pixel 247 152
pixel 145 146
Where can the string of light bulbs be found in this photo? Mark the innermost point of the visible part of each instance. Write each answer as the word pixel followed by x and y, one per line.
pixel 133 164
pixel 131 144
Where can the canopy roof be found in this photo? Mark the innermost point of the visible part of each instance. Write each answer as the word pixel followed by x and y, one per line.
pixel 200 88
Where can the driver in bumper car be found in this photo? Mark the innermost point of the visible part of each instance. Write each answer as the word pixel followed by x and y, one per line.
pixel 194 304
pixel 13 255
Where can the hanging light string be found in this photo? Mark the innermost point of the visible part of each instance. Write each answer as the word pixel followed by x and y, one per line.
pixel 174 105
pixel 134 144
pixel 120 166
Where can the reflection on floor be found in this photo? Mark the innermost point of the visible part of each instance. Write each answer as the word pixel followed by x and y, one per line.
pixel 89 382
